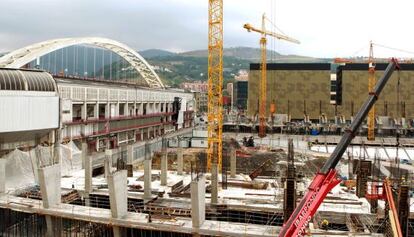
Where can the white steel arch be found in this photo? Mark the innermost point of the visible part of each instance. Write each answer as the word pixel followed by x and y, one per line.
pixel 23 56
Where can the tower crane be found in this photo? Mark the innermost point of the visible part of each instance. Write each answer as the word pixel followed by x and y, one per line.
pixel 371 84
pixel 263 87
pixel 215 83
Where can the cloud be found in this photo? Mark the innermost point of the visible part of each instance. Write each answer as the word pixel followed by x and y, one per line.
pixel 325 28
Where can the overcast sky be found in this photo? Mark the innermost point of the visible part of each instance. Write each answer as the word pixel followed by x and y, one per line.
pixel 325 28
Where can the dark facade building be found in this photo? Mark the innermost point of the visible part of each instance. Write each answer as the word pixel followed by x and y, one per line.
pixel 330 89
pixel 241 90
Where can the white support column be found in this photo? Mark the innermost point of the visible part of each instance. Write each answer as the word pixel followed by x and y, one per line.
pixel 50 188
pixel 180 159
pixel 2 176
pixel 147 179
pixel 108 162
pixel 118 197
pixel 147 173
pixel 88 174
pixel 164 167
pixel 84 153
pixel 198 202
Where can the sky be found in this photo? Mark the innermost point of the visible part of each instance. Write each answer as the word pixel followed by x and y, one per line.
pixel 325 28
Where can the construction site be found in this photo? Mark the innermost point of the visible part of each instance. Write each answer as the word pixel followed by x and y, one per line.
pixel 102 147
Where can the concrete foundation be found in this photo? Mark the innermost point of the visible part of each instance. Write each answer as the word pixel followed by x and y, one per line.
pixel 180 161
pixel 118 197
pixel 2 175
pixel 147 178
pixel 214 184
pixel 198 202
pixel 233 162
pixel 164 168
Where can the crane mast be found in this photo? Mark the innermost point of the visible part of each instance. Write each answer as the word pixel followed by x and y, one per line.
pixel 371 84
pixel 215 83
pixel 263 67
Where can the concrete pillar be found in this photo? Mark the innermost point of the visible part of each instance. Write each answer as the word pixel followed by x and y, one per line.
pixel 2 176
pixel 214 183
pixel 233 162
pixel 84 153
pixel 130 159
pixel 88 174
pixel 130 154
pixel 180 159
pixel 108 162
pixel 118 197
pixel 49 180
pixel 198 202
pixel 147 178
pixel 164 167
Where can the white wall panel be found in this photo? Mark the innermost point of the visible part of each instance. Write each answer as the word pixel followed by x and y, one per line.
pixel 24 113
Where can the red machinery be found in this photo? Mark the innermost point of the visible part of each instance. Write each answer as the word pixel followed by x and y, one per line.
pixel 327 178
pixel 384 191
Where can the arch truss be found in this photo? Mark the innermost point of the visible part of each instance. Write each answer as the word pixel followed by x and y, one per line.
pixel 23 56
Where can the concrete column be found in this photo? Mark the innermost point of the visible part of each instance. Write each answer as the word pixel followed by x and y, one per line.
pixel 118 197
pixel 2 176
pixel 180 160
pixel 198 202
pixel 214 183
pixel 130 159
pixel 233 162
pixel 49 180
pixel 84 153
pixel 130 154
pixel 147 178
pixel 88 174
pixel 108 162
pixel 164 167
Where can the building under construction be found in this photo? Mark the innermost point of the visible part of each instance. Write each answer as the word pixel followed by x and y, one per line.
pixel 102 148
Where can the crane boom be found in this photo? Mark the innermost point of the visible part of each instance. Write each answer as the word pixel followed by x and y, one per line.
pixel 263 81
pixel 327 178
pixel 250 28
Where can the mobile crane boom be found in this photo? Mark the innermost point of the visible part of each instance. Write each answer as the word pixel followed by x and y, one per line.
pixel 326 178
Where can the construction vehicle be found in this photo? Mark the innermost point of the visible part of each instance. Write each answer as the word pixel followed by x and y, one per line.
pixel 263 86
pixel 327 178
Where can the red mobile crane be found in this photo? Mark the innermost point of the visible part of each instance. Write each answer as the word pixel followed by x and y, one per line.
pixel 326 178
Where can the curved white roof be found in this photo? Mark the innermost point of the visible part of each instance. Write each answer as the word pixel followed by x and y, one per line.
pixel 23 56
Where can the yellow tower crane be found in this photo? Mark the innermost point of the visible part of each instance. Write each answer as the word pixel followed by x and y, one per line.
pixel 371 83
pixel 263 81
pixel 215 83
